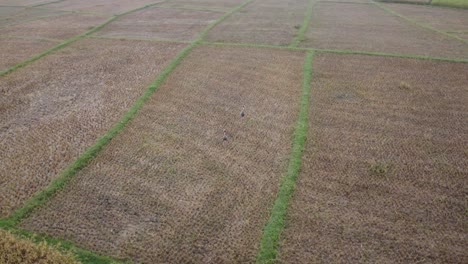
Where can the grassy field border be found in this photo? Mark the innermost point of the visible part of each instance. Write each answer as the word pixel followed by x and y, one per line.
pixel 275 225
pixel 71 40
pixel 47 3
pixel 337 51
pixel 305 25
pixel 416 23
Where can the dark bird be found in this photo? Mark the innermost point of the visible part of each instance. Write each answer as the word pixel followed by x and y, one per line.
pixel 243 111
pixel 225 136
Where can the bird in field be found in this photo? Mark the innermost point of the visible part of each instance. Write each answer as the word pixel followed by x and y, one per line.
pixel 243 111
pixel 225 136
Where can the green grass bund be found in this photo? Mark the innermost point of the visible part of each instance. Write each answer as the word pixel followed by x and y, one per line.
pixel 275 225
pixel 305 24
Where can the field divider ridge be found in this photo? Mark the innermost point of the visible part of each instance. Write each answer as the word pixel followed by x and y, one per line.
pixel 269 243
pixel 71 40
pixel 41 197
pixel 337 51
pixel 305 25
pixel 141 39
pixel 419 24
pixel 48 3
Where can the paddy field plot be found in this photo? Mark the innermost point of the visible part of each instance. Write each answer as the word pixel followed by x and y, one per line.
pixel 384 174
pixel 21 41
pixel 262 22
pixel 23 2
pixel 348 27
pixel 104 7
pixel 161 24
pixel 55 108
pixel 219 5
pixel 168 189
pixel 445 19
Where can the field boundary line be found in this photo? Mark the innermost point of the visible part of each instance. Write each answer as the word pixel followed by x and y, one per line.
pixel 419 24
pixel 82 161
pixel 140 39
pixel 192 9
pixel 305 25
pixel 71 40
pixel 352 3
pixel 335 51
pixel 29 38
pixel 32 19
pixel 47 3
pixel 275 225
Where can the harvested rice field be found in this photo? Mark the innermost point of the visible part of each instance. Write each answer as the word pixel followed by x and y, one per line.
pixel 384 174
pixel 215 5
pixel 24 2
pixel 16 50
pixel 233 131
pixel 445 19
pixel 263 22
pixel 348 27
pixel 105 7
pixel 191 197
pixel 54 27
pixel 57 107
pixel 161 24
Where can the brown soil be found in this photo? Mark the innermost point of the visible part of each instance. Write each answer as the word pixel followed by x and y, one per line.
pixel 57 27
pixel 16 50
pixel 55 108
pixel 369 28
pixel 101 6
pixel 275 22
pixel 437 17
pixel 160 23
pixel 384 172
pixel 167 189
pixel 222 5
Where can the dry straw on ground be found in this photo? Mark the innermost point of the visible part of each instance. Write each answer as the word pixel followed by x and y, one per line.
pixel 14 250
pixel 104 7
pixel 384 172
pixel 268 22
pixel 55 27
pixel 167 189
pixel 57 107
pixel 369 28
pixel 441 18
pixel 16 50
pixel 160 23
pixel 221 5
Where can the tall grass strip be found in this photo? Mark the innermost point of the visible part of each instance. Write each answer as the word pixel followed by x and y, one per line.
pixel 305 24
pixel 275 225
